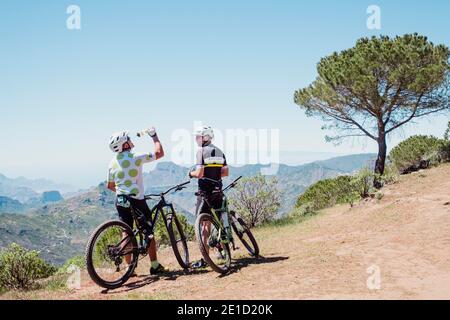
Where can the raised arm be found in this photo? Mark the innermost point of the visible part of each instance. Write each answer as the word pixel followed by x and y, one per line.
pixel 159 151
pixel 110 183
pixel 112 186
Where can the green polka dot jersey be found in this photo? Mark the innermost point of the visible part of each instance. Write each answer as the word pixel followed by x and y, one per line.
pixel 125 170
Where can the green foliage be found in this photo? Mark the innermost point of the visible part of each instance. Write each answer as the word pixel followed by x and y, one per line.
pixel 379 195
pixel 419 152
pixel 342 189
pixel 256 199
pixel 59 280
pixel 445 151
pixel 20 268
pixel 445 148
pixel 77 261
pixel 56 282
pixel 362 183
pixel 110 236
pixel 294 217
pixel 362 78
pixel 328 192
pixel 447 132
pixel 391 174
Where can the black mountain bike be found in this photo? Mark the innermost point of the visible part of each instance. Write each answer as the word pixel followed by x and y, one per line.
pixel 113 250
pixel 214 238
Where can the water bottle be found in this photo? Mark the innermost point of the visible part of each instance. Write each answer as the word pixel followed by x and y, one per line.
pixel 151 132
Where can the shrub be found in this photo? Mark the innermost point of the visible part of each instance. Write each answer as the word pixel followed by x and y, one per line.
pixel 256 199
pixel 391 174
pixel 303 210
pixel 379 195
pixel 326 193
pixel 418 152
pixel 447 132
pixel 445 148
pixel 20 268
pixel 77 261
pixel 446 151
pixel 294 217
pixel 60 279
pixel 362 184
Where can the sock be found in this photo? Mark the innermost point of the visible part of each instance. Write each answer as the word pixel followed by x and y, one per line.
pixel 155 264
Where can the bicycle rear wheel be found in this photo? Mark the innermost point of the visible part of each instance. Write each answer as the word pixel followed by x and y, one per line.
pixel 244 234
pixel 178 240
pixel 216 254
pixel 106 254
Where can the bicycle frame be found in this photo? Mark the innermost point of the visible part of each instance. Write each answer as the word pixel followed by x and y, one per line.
pixel 154 215
pixel 215 212
pixel 155 212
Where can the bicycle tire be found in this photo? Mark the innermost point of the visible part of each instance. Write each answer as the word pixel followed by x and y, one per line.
pixel 253 251
pixel 182 261
pixel 89 255
pixel 225 247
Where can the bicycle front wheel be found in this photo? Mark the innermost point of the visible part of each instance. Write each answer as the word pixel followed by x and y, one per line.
pixel 216 253
pixel 112 254
pixel 244 234
pixel 178 241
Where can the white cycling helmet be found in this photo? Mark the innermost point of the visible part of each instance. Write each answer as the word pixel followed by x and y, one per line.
pixel 204 131
pixel 117 140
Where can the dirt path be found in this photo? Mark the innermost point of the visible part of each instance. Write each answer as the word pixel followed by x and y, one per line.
pixel 405 236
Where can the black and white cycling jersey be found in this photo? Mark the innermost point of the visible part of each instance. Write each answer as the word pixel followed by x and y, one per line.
pixel 212 159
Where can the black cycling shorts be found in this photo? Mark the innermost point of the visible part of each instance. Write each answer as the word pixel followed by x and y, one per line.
pixel 215 199
pixel 125 213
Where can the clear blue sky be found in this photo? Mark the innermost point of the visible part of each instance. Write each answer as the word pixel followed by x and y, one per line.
pixel 232 64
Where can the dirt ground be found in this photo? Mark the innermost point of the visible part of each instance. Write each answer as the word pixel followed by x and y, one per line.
pixel 393 248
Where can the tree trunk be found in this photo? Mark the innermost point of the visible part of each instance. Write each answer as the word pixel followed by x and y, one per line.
pixel 381 160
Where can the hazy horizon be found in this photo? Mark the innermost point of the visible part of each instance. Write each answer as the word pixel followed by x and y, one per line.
pixel 308 157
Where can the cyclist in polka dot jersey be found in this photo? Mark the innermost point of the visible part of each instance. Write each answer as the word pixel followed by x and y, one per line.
pixel 125 170
pixel 125 178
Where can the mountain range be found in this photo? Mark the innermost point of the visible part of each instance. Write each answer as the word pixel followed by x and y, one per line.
pixel 29 192
pixel 60 229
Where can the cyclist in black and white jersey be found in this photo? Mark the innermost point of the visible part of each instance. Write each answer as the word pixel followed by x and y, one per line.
pixel 211 164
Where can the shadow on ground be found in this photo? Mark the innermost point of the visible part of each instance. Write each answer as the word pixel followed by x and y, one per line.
pixel 245 262
pixel 142 281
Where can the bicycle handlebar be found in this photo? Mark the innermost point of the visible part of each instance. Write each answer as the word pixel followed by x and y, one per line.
pixel 182 186
pixel 233 184
pixel 176 188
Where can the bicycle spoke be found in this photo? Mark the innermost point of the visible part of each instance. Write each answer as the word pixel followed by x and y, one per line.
pixel 214 251
pixel 110 253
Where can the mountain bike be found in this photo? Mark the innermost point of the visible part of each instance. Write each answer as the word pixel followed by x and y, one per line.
pixel 114 242
pixel 213 231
